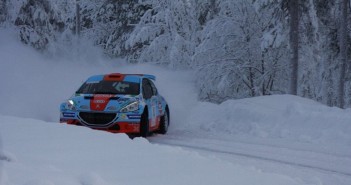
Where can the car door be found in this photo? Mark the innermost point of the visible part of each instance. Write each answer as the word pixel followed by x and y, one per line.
pixel 155 105
pixel 151 102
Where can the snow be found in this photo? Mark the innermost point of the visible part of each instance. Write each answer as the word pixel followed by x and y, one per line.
pixel 282 117
pixel 265 140
pixel 42 153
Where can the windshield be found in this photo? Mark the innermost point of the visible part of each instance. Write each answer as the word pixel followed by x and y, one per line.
pixel 109 87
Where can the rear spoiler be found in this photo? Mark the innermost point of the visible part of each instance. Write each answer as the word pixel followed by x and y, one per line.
pixel 152 77
pixel 121 76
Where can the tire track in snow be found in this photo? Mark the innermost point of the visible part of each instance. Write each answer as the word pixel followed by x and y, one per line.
pixel 231 152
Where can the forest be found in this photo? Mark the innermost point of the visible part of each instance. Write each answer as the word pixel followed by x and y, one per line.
pixel 236 48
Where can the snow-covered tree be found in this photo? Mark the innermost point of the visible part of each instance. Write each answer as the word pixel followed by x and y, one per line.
pixel 274 48
pixel 165 34
pixel 38 22
pixel 3 10
pixel 310 64
pixel 221 56
pixel 206 10
pixel 241 53
pixel 111 23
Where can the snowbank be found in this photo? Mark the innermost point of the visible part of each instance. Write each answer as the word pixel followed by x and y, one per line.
pixel 282 117
pixel 41 153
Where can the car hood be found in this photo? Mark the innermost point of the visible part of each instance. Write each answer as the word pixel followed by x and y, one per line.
pixel 102 102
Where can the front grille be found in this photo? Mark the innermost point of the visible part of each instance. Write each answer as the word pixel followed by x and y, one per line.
pixel 97 119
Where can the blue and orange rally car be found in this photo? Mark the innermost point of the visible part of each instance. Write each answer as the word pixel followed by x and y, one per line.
pixel 118 103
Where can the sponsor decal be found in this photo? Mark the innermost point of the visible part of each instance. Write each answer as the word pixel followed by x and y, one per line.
pixel 134 116
pixel 68 114
pixel 135 129
pixel 99 101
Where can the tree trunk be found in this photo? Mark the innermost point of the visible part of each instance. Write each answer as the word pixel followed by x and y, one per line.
pixel 262 74
pixel 252 85
pixel 343 53
pixel 77 18
pixel 294 44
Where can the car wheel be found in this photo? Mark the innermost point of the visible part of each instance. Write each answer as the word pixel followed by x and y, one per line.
pixel 164 123
pixel 144 124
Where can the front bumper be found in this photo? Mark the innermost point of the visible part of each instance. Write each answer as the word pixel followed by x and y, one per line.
pixel 120 123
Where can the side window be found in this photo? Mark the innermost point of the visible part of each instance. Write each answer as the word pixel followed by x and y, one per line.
pixel 154 89
pixel 147 89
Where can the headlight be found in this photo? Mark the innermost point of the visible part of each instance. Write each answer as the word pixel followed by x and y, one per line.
pixel 70 105
pixel 130 107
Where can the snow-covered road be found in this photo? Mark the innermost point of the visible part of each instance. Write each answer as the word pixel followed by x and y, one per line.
pixel 326 166
pixel 337 164
pixel 264 140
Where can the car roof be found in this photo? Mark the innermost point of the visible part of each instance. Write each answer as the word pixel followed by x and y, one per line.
pixel 136 78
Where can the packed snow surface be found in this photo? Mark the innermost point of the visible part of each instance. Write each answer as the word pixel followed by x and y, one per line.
pixel 37 152
pixel 270 140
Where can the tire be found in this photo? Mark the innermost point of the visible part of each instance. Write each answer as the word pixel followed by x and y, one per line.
pixel 144 124
pixel 164 122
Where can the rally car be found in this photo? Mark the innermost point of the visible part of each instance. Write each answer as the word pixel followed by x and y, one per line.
pixel 118 103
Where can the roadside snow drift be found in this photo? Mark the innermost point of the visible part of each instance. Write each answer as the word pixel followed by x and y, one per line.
pixel 280 117
pixel 37 152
